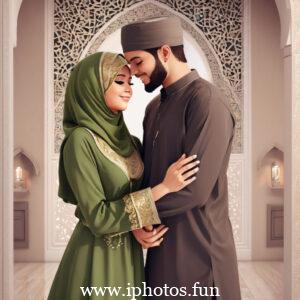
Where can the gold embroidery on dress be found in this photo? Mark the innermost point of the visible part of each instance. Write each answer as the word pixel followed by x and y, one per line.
pixel 132 166
pixel 130 209
pixel 114 241
pixel 145 208
pixel 139 205
pixel 141 212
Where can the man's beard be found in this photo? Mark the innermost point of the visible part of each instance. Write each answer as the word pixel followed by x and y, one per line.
pixel 157 77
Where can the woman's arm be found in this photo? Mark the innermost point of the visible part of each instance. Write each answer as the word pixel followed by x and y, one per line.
pixel 131 212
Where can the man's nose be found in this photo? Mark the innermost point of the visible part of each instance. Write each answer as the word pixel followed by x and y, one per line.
pixel 133 69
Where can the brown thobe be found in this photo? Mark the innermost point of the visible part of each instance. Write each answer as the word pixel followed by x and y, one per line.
pixel 191 116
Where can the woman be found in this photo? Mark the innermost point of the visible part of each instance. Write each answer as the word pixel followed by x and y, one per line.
pixel 100 171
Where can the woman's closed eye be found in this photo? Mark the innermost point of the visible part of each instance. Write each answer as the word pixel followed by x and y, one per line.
pixel 120 82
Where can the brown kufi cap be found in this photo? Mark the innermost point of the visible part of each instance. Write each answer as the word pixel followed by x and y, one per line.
pixel 152 33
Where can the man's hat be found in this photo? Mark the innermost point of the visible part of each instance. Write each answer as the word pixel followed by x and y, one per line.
pixel 152 33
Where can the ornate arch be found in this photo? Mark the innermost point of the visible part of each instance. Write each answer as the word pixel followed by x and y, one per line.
pixel 220 42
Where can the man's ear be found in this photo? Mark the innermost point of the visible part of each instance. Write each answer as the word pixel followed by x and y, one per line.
pixel 164 52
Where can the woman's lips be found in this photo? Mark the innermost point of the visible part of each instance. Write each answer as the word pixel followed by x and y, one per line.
pixel 125 98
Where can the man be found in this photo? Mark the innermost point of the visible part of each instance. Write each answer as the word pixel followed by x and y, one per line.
pixel 189 116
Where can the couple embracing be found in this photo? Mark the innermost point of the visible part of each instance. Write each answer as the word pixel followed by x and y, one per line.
pixel 167 194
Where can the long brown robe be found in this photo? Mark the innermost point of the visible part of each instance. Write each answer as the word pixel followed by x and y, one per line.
pixel 191 116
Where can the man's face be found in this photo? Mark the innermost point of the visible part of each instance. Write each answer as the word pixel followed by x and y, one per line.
pixel 144 66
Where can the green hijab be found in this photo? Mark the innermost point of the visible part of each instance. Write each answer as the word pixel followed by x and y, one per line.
pixel 85 107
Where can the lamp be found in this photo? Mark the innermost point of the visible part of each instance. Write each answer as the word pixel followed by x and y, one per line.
pixel 19 183
pixel 275 174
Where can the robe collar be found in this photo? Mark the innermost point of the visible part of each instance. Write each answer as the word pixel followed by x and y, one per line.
pixel 179 84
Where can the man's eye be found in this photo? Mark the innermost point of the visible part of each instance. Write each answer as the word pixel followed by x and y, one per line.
pixel 130 83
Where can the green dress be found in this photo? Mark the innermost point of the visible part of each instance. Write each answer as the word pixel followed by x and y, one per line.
pixel 102 251
pixel 100 171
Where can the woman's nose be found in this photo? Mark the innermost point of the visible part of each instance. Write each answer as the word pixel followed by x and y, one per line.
pixel 128 88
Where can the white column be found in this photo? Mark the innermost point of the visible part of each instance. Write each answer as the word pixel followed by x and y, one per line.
pixel 6 152
pixel 287 65
pixel 295 193
pixel 292 196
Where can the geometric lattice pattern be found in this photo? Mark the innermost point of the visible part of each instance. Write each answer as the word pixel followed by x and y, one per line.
pixel 221 22
pixel 235 182
pixel 77 22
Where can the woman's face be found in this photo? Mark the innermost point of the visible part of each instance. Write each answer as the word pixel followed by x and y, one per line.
pixel 119 93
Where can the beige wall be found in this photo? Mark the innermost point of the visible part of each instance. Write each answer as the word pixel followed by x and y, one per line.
pixel 267 116
pixel 29 115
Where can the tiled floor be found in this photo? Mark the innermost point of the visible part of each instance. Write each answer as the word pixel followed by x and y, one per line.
pixel 259 280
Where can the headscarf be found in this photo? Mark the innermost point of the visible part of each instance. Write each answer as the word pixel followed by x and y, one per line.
pixel 85 106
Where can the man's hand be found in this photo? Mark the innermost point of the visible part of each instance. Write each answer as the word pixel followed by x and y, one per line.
pixel 149 237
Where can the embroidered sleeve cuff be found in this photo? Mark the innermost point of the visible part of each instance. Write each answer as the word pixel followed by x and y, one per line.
pixel 141 209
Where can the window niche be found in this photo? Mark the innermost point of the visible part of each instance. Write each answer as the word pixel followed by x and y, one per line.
pixel 24 170
pixel 272 165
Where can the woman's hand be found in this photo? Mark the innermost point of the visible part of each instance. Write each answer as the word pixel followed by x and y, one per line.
pixel 149 237
pixel 181 173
